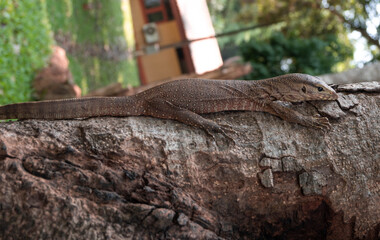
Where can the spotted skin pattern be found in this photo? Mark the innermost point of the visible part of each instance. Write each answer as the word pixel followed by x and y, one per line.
pixel 184 101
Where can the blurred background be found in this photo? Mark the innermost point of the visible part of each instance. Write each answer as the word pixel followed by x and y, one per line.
pixel 51 49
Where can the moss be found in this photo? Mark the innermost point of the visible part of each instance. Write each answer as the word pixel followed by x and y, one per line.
pixel 95 25
pixel 24 47
pixel 26 30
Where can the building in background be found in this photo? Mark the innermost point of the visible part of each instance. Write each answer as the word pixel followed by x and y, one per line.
pixel 161 27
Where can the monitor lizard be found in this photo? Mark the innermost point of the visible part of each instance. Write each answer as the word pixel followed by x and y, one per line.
pixel 184 101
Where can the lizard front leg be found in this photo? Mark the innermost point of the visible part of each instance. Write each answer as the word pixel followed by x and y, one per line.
pixel 288 114
pixel 166 110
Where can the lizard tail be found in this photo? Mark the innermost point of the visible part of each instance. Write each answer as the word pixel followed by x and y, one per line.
pixel 73 108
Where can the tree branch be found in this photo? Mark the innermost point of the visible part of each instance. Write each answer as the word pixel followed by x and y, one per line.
pixel 146 178
pixel 361 29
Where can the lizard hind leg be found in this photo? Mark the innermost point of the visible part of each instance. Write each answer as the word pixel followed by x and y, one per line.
pixel 166 110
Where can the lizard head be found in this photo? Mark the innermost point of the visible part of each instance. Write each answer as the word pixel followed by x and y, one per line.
pixel 298 87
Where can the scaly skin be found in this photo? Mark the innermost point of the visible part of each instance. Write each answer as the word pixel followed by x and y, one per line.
pixel 184 101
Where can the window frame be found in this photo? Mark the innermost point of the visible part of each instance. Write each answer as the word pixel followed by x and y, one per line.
pixel 161 8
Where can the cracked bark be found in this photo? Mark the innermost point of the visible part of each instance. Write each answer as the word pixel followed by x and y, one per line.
pixel 145 178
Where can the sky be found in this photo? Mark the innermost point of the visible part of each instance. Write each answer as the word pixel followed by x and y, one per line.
pixel 362 53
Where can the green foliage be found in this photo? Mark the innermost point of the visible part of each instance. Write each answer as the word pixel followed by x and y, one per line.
pixel 24 47
pixel 309 18
pixel 302 19
pixel 91 27
pixel 228 15
pixel 94 72
pixel 278 55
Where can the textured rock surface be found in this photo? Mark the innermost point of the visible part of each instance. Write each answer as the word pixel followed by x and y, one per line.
pixel 144 178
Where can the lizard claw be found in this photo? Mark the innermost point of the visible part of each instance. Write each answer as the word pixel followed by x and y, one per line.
pixel 229 138
pixel 321 123
pixel 227 128
pixel 221 130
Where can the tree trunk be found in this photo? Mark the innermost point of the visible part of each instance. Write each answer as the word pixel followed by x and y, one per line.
pixel 145 178
pixel 370 72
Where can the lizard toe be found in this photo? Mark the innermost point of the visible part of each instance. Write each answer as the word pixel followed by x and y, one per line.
pixel 222 131
pixel 321 123
pixel 227 128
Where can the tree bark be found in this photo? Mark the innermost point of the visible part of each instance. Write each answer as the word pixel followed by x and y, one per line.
pixel 145 178
pixel 369 73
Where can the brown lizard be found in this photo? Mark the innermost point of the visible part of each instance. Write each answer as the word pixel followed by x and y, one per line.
pixel 184 101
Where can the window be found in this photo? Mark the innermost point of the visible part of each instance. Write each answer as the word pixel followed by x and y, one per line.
pixel 157 10
pixel 151 3
pixel 168 9
pixel 155 17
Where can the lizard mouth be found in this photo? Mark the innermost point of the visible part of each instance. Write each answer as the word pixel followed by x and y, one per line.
pixel 331 96
pixel 327 97
pixel 300 98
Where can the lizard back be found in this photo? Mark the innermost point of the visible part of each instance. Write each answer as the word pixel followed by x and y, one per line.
pixel 207 96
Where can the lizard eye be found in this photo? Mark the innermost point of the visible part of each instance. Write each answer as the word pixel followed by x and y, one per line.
pixel 304 89
pixel 320 89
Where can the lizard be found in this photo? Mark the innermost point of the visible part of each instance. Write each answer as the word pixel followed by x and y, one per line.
pixel 185 100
